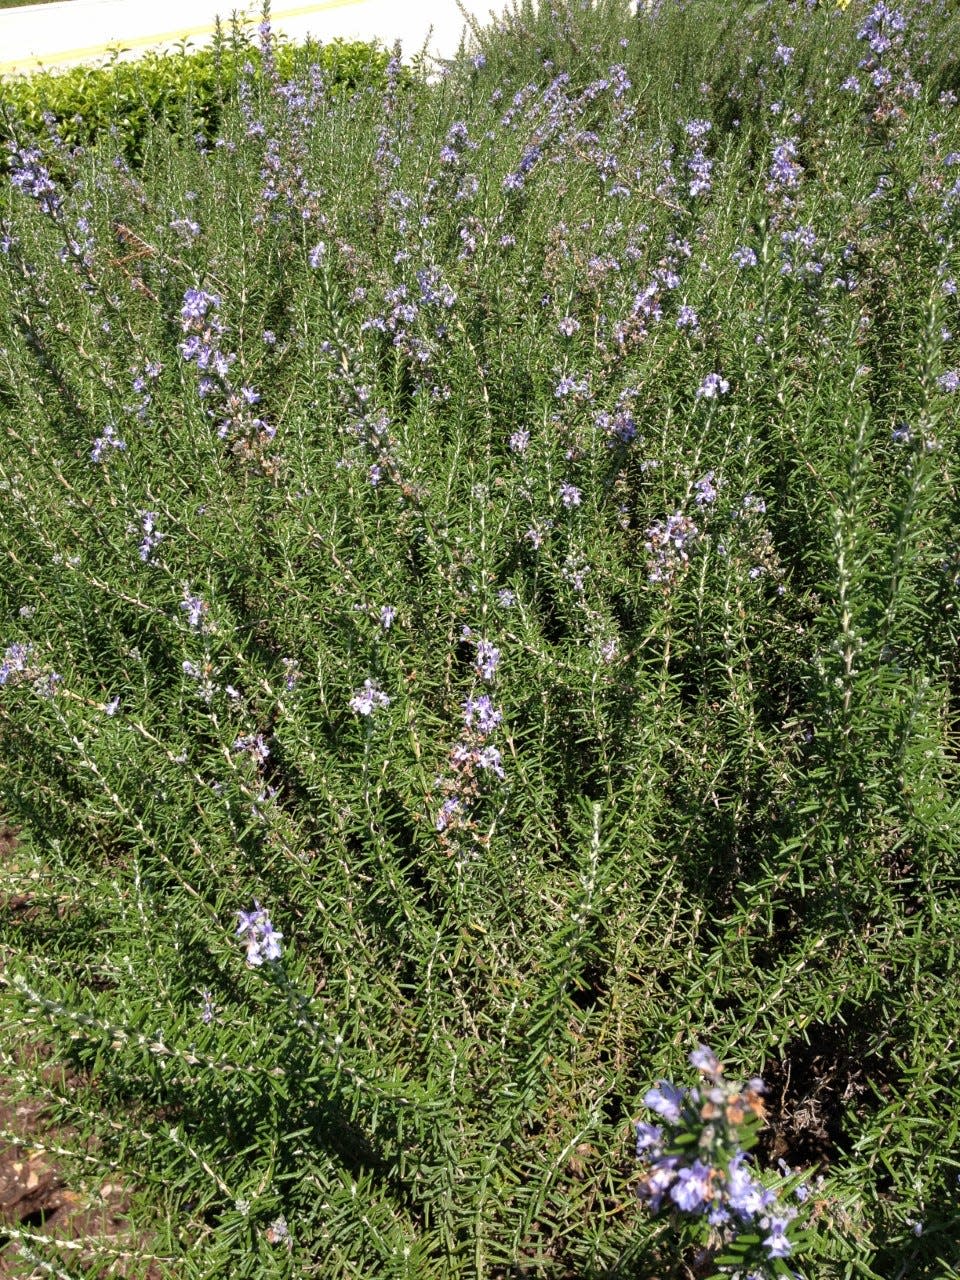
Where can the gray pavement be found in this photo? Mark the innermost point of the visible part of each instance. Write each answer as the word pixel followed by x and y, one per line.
pixel 85 31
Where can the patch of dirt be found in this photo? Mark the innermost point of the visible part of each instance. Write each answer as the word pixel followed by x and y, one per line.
pixel 809 1089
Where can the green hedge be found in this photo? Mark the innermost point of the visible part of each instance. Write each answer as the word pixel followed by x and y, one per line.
pixel 184 89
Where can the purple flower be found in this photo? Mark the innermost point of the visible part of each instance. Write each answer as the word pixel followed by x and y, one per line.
pixel 745 1195
pixel 194 608
pixel 449 810
pixel 14 661
pixel 207 1010
pixel 702 1058
pixel 668 543
pixel 489 758
pixel 712 386
pixel 269 942
pixel 880 21
pixel 221 363
pixel 201 674
pixel 529 159
pixel 783 53
pixel 775 1242
pixel 785 171
pixel 570 495
pixel 706 496
pixel 365 700
pixel 569 385
pixel 109 440
pixel 255 745
pixel 434 291
pixel 29 176
pixel 618 426
pixel 568 326
pixel 665 1099
pixel 949 381
pixel 754 504
pixel 47 685
pixel 687 318
pixel 185 228
pixel 696 129
pixel 519 441
pixel 744 256
pixel 151 539
pixel 804 236
pixel 649 1137
pixel 701 1176
pixel 261 939
pixel 691 1190
pixel 196 304
pixel 701 168
pixel 387 615
pixel 193 349
pixel 657 1181
pixel 487 659
pixel 481 714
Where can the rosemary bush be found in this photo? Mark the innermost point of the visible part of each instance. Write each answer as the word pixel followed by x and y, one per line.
pixel 479 610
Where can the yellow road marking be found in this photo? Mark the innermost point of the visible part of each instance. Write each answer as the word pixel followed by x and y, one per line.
pixel 163 37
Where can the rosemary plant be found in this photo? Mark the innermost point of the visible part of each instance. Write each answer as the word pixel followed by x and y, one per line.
pixel 479 618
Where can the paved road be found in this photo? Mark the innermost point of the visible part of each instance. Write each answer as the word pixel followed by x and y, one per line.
pixel 76 31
